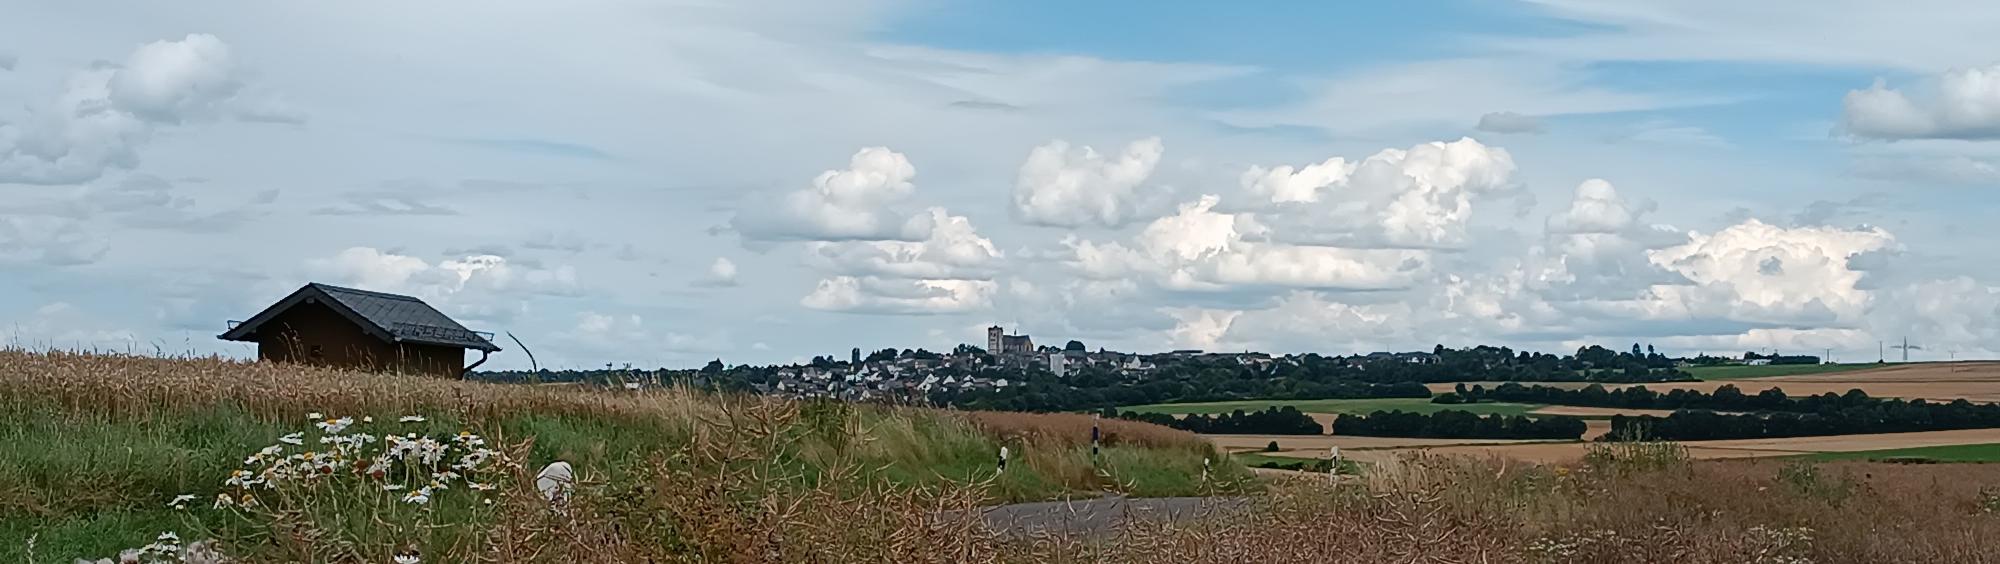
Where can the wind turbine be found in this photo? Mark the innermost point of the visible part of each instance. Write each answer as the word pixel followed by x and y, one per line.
pixel 1906 348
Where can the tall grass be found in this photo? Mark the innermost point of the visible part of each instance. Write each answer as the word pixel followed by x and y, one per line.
pixel 91 447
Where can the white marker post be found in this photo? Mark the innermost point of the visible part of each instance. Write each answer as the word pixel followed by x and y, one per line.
pixel 1093 438
pixel 1333 461
pixel 1003 461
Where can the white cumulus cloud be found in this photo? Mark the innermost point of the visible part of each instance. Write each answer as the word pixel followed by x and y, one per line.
pixel 1419 197
pixel 954 250
pixel 867 294
pixel 484 287
pixel 851 204
pixel 1073 187
pixel 1199 248
pixel 1754 271
pixel 1962 103
pixel 721 273
pixel 105 113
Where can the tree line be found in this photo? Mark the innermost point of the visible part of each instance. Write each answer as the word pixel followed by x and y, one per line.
pixel 1767 414
pixel 1725 398
pixel 1285 420
pixel 1458 424
pixel 1878 416
pixel 1046 392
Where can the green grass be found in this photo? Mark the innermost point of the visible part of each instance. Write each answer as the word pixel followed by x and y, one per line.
pixel 1741 372
pixel 1951 453
pixel 88 484
pixel 1348 406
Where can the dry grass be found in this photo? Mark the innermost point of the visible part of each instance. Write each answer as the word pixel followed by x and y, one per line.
pixel 1452 509
pixel 1070 429
pixel 675 475
pixel 754 480
pixel 142 387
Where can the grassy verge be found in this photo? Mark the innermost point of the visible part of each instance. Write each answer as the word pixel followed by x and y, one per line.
pixel 93 447
pixel 1350 406
pixel 1742 372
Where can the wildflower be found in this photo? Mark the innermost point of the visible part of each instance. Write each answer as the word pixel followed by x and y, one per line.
pixel 476 486
pixel 223 500
pixel 264 454
pixel 367 419
pixel 180 501
pixel 408 557
pixel 418 497
pixel 315 415
pixel 335 426
pixel 242 479
pixel 411 419
pixel 294 439
pixel 376 468
pixel 167 543
pixel 391 487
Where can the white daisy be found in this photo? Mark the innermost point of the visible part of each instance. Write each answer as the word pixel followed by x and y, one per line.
pixel 334 426
pixel 419 496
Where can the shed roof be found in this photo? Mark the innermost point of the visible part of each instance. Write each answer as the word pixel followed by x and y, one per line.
pixel 390 317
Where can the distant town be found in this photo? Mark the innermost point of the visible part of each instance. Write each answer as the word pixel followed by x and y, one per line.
pixel 1013 372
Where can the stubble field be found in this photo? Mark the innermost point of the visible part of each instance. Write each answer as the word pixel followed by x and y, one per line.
pixel 1972 381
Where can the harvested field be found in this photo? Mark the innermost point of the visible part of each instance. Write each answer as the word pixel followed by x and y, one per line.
pixel 1546 453
pixel 1599 412
pixel 1852 443
pixel 1938 381
pixel 1594 428
pixel 1315 446
pixel 1738 448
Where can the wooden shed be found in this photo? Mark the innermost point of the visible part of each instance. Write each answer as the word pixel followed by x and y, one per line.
pixel 347 328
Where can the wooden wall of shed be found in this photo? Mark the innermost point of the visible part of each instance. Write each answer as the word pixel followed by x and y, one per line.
pixel 315 334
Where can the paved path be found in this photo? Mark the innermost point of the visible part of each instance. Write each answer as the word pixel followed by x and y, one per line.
pixel 1101 515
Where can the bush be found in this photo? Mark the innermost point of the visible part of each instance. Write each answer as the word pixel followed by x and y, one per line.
pixel 1273 447
pixel 1285 420
pixel 1457 424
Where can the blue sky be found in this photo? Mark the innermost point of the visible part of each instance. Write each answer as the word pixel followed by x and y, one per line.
pixel 665 183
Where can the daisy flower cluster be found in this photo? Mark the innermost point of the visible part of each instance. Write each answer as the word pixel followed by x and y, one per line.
pixel 418 465
pixel 166 548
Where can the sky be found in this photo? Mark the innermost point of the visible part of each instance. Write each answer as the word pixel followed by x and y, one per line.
pixel 663 183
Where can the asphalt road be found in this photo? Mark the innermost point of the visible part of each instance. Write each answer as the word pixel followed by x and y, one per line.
pixel 1101 515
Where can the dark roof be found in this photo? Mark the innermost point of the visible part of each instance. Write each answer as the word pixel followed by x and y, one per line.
pixel 390 317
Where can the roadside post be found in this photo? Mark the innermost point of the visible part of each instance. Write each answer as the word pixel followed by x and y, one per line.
pixel 1094 436
pixel 1003 461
